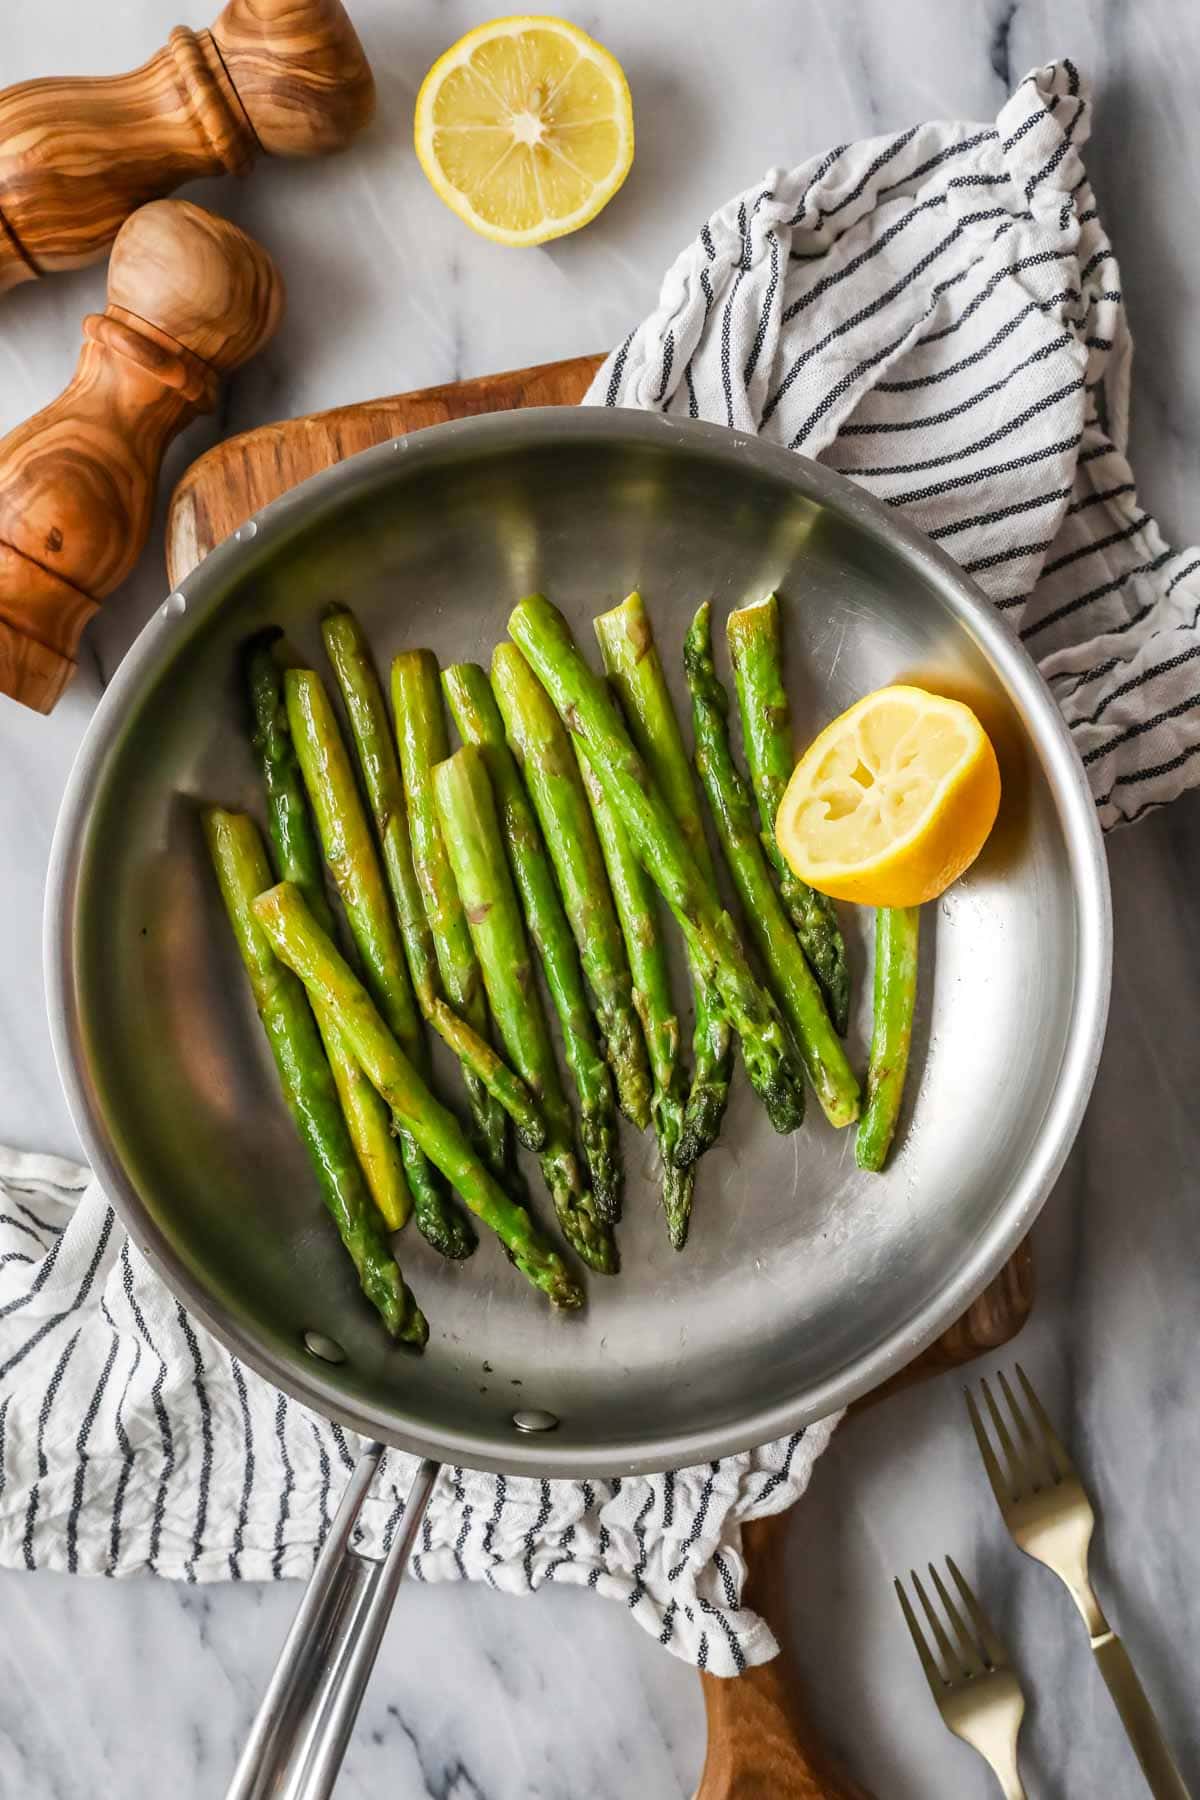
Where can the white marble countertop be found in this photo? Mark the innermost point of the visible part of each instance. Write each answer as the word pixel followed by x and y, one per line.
pixel 143 1689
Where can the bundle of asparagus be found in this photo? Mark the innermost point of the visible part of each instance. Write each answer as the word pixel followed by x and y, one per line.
pixel 545 842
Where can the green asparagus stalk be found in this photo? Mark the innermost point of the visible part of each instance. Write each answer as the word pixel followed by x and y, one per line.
pixel 471 830
pixel 897 934
pixel 637 909
pixel 633 664
pixel 351 858
pixel 309 953
pixel 587 706
pixel 733 811
pixel 755 648
pixel 543 752
pixel 366 708
pixel 475 713
pixel 421 735
pixel 298 859
pixel 242 870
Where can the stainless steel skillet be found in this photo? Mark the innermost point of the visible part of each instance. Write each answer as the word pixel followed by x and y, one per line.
pixel 806 1283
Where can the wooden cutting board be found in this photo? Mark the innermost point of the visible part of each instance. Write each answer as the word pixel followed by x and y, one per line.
pixel 759 1744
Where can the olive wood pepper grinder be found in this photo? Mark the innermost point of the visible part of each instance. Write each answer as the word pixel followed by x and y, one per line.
pixel 287 77
pixel 189 298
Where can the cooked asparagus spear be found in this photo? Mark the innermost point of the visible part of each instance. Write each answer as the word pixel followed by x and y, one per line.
pixel 753 634
pixel 421 735
pixel 350 657
pixel 587 706
pixel 543 751
pixel 637 909
pixel 243 872
pixel 471 830
pixel 303 946
pixel 897 934
pixel 352 861
pixel 475 713
pixel 733 812
pixel 298 859
pixel 635 669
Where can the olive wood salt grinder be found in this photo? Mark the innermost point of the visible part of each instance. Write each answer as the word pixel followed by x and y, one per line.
pixel 189 298
pixel 284 77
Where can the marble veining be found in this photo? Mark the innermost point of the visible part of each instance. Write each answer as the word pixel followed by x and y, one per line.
pixel 142 1689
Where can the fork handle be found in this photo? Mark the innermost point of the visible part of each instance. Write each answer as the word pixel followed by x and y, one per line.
pixel 1137 1716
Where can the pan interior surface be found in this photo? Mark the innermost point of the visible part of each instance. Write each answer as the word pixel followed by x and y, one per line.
pixel 804 1280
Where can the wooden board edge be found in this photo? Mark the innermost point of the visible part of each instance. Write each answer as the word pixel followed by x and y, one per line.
pixel 238 477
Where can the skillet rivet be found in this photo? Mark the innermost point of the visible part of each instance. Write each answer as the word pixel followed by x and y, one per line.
pixel 534 1420
pixel 327 1348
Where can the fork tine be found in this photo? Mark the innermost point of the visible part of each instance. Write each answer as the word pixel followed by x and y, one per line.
pixel 972 1661
pixel 933 1675
pixel 1036 1459
pixel 1054 1447
pixel 949 1660
pixel 997 1655
pixel 1018 1475
pixel 995 1475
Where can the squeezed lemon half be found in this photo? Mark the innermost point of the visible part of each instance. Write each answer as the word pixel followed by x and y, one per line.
pixel 893 801
pixel 525 128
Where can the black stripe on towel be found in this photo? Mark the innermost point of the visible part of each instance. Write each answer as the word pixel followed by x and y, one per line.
pixel 166 1436
pixel 287 1489
pixel 239 1530
pixel 206 1440
pixel 43 1467
pixel 697 1525
pixel 81 1453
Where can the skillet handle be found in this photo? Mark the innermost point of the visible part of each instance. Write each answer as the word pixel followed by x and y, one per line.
pixel 759 1741
pixel 299 1738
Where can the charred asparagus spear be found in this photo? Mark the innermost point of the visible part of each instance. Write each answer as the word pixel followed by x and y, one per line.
pixel 637 909
pixel 475 713
pixel 586 705
pixel 635 669
pixel 755 649
pixel 303 946
pixel 471 831
pixel 897 935
pixel 350 657
pixel 421 735
pixel 298 859
pixel 543 752
pixel 352 861
pixel 243 872
pixel 733 812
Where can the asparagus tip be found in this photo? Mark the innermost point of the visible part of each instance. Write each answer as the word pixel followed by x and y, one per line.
pixel 701 1122
pixel 605 1171
pixel 783 1100
pixel 414 1327
pixel 447 1231
pixel 678 1186
pixel 551 1274
pixel 531 1133
pixel 592 1242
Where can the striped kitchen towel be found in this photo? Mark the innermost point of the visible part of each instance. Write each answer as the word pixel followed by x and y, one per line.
pixel 938 315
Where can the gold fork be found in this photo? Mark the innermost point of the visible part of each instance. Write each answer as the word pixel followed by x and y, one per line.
pixel 1042 1501
pixel 973 1686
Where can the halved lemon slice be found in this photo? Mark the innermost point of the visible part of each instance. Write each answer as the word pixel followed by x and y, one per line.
pixel 893 801
pixel 525 128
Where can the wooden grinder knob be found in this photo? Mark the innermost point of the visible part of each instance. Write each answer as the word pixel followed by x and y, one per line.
pixel 189 297
pixel 287 77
